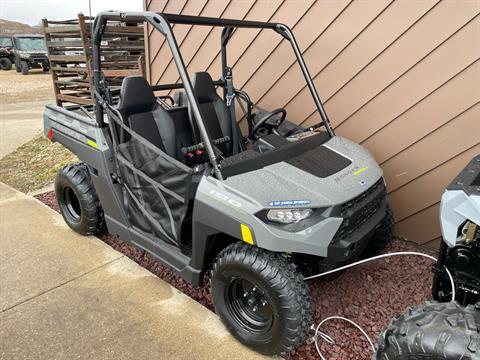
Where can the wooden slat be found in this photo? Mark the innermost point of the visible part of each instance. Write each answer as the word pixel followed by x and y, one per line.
pixel 115 57
pixel 72 83
pixel 123 43
pixel 75 99
pixel 68 58
pixel 128 30
pixel 117 64
pixel 68 69
pixel 62 29
pixel 122 72
pixel 121 56
pixel 63 44
pixel 54 75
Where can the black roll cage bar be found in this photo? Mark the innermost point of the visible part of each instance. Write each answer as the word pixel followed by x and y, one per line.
pixel 161 22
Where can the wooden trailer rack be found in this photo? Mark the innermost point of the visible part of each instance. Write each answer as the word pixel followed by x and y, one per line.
pixel 70 54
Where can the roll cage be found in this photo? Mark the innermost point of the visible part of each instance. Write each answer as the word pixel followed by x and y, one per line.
pixel 162 22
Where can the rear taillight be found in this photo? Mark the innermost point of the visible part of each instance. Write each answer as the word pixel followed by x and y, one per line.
pixel 50 134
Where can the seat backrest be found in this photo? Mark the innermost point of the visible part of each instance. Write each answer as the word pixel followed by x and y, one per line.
pixel 214 111
pixel 142 113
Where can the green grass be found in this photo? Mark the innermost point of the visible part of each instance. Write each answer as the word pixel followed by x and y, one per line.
pixel 34 165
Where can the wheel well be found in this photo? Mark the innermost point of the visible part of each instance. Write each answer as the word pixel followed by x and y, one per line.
pixel 216 243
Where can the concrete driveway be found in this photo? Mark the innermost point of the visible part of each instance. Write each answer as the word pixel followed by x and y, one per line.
pixel 20 122
pixel 64 296
pixel 22 99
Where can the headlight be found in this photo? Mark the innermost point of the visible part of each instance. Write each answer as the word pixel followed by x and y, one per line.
pixel 288 216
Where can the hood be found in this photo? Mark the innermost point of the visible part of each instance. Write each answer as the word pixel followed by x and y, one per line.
pixel 306 182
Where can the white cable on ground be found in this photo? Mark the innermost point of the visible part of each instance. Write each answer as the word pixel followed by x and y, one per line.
pixel 328 338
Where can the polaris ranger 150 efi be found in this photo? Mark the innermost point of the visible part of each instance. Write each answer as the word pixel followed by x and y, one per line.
pixel 175 177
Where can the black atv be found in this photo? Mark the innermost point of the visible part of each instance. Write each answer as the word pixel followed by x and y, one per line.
pixel 447 329
pixel 7 56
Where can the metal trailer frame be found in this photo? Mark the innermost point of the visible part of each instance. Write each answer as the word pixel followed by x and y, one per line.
pixel 162 22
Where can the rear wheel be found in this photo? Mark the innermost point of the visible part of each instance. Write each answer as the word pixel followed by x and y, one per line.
pixel 435 331
pixel 24 67
pixel 261 298
pixel 5 63
pixel 78 200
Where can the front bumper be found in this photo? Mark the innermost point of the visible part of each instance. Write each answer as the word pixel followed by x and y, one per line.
pixel 362 216
pixel 37 60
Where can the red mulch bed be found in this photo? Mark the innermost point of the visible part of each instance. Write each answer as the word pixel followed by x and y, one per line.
pixel 370 294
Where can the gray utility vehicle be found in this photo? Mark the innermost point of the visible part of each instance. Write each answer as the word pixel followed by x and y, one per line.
pixel 30 53
pixel 180 182
pixel 444 329
pixel 7 57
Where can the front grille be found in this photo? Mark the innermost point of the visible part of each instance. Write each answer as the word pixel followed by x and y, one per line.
pixel 358 210
pixel 38 58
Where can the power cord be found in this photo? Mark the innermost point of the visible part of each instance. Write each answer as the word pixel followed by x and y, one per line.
pixel 327 338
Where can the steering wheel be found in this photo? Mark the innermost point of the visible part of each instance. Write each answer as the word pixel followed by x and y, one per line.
pixel 264 124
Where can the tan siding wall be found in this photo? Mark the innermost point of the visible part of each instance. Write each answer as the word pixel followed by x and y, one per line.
pixel 400 77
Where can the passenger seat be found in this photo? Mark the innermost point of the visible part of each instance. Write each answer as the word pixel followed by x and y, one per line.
pixel 142 113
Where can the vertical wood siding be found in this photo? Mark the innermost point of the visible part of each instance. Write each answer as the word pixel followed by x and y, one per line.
pixel 400 77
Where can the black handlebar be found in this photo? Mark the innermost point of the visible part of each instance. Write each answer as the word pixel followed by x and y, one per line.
pixel 201 146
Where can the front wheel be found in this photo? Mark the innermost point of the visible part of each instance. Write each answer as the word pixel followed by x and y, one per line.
pixel 18 65
pixel 261 298
pixel 24 67
pixel 78 200
pixel 435 331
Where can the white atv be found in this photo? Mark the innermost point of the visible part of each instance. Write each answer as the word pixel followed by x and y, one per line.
pixel 446 329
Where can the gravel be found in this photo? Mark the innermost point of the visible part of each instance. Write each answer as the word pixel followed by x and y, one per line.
pixel 15 87
pixel 370 294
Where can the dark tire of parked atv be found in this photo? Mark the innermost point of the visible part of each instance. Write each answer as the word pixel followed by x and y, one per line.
pixel 5 63
pixel 261 298
pixel 24 67
pixel 45 68
pixel 382 236
pixel 78 200
pixel 435 331
pixel 18 65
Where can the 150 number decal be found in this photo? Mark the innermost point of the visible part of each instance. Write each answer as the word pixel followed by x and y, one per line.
pixel 225 198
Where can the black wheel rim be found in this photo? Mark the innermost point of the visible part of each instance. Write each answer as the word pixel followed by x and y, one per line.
pixel 249 306
pixel 72 204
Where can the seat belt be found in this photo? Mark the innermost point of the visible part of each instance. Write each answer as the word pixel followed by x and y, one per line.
pixel 229 96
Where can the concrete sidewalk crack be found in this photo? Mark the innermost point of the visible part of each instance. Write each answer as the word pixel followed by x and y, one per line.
pixel 61 284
